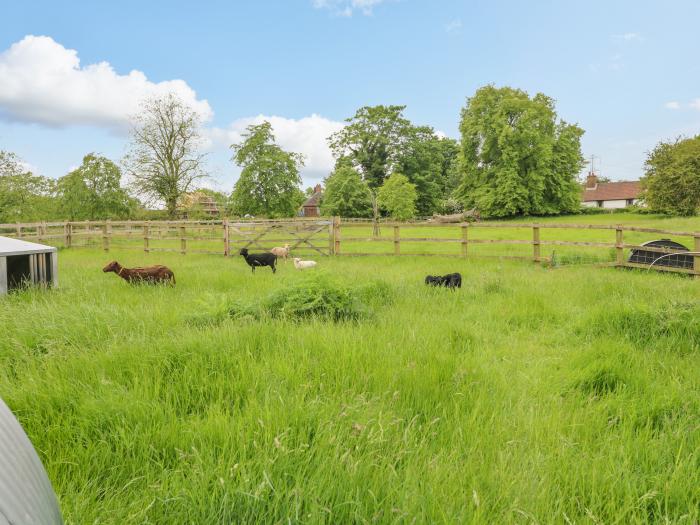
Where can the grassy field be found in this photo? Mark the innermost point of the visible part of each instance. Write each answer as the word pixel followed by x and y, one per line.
pixel 531 395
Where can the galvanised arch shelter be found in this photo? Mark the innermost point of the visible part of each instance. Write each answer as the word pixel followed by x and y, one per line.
pixel 23 262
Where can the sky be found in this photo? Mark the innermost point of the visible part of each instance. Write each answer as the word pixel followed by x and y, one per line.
pixel 72 74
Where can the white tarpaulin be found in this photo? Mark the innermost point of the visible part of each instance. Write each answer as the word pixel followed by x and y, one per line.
pixel 26 495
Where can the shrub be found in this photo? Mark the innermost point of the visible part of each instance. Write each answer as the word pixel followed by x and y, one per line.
pixel 315 297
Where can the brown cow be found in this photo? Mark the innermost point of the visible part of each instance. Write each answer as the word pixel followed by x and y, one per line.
pixel 150 274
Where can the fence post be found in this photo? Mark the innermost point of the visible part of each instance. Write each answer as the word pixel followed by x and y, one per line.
pixel 146 233
pixel 227 248
pixel 465 239
pixel 67 234
pixel 696 258
pixel 619 250
pixel 336 235
pixel 397 241
pixel 536 243
pixel 183 240
pixel 19 231
pixel 331 244
pixel 105 236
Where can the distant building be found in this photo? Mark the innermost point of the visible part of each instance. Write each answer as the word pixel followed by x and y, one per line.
pixel 312 205
pixel 198 201
pixel 610 194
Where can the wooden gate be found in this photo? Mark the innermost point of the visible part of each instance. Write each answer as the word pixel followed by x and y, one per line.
pixel 302 236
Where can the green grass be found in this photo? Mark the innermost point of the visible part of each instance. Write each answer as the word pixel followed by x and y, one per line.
pixel 530 395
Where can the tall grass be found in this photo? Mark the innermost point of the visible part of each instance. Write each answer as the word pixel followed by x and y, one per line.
pixel 530 395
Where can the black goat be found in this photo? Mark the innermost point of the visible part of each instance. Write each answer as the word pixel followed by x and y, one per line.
pixel 259 259
pixel 451 280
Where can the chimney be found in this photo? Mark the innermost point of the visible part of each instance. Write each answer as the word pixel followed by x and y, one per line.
pixel 591 181
pixel 317 188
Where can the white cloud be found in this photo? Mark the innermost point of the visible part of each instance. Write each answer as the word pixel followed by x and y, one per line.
pixel 307 135
pixel 628 37
pixel 347 7
pixel 695 104
pixel 41 81
pixel 672 105
pixel 453 26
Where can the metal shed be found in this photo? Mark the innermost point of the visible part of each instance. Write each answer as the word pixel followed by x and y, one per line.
pixel 26 262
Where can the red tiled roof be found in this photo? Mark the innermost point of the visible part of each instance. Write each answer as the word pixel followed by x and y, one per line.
pixel 314 200
pixel 610 191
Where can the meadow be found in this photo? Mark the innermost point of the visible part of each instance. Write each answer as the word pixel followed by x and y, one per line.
pixel 532 395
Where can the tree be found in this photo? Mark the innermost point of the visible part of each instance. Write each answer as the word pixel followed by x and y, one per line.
pixel 23 195
pixel 269 183
pixel 93 191
pixel 672 177
pixel 427 162
pixel 516 157
pixel 398 197
pixel 346 194
pixel 164 160
pixel 373 141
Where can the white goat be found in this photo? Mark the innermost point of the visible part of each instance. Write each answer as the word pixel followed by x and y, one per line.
pixel 281 253
pixel 303 265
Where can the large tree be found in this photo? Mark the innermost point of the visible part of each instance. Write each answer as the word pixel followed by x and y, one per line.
pixel 269 183
pixel 23 195
pixel 93 191
pixel 373 141
pixel 672 177
pixel 517 157
pixel 346 194
pixel 165 161
pixel 397 197
pixel 427 162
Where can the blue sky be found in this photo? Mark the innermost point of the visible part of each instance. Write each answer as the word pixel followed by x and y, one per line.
pixel 625 71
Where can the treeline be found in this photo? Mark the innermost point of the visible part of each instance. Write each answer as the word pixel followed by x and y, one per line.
pixel 515 157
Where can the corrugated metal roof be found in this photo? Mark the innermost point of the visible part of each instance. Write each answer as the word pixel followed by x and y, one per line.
pixel 26 495
pixel 10 246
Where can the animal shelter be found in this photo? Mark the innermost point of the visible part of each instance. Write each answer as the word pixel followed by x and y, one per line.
pixel 659 258
pixel 26 263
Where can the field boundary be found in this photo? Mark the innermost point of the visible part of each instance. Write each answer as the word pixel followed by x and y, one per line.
pixel 330 237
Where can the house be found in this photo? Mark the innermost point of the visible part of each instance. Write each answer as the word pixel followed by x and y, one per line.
pixel 198 201
pixel 23 262
pixel 312 205
pixel 610 194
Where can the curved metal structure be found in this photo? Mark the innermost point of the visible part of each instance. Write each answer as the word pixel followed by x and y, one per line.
pixel 26 495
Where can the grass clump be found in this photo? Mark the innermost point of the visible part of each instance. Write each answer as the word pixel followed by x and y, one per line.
pixel 316 297
pixel 674 326
pixel 600 381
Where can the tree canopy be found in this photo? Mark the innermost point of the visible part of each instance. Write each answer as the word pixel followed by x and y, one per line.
pixel 373 141
pixel 672 177
pixel 164 161
pixel 516 157
pixel 397 197
pixel 346 194
pixel 93 191
pixel 427 163
pixel 23 195
pixel 269 183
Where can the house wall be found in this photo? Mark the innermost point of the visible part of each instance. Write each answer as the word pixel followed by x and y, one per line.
pixel 310 211
pixel 622 203
pixel 610 205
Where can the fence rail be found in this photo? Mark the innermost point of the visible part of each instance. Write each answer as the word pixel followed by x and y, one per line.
pixel 357 238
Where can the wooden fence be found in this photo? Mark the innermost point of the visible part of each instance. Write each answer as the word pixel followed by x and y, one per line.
pixel 334 236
